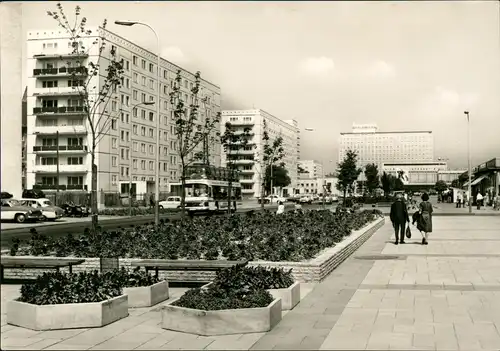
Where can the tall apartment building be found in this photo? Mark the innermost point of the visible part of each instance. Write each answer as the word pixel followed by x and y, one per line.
pixel 313 168
pixel 377 147
pixel 128 147
pixel 11 91
pixel 251 172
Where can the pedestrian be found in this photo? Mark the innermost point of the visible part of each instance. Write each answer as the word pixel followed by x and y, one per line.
pixel 486 200
pixel 479 200
pixel 151 201
pixel 425 209
pixel 459 199
pixel 281 208
pixel 466 197
pixel 399 216
pixel 496 202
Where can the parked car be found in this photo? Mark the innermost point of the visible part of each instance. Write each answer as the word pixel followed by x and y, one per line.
pixel 33 194
pixel 170 202
pixel 273 199
pixel 72 210
pixel 307 199
pixel 49 210
pixel 13 210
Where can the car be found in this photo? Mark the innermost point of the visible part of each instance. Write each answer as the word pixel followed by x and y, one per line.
pixel 13 210
pixel 6 195
pixel 33 194
pixel 49 210
pixel 306 199
pixel 273 199
pixel 170 202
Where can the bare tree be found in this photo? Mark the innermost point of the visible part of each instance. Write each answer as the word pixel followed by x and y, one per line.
pixel 94 78
pixel 232 141
pixel 191 131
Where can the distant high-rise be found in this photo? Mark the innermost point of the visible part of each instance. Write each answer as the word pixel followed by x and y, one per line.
pixel 251 171
pixel 313 168
pixel 377 147
pixel 11 91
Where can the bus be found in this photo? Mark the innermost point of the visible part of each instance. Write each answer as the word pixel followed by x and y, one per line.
pixel 207 189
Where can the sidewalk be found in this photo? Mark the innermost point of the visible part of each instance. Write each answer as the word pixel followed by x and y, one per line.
pixel 443 296
pixel 442 209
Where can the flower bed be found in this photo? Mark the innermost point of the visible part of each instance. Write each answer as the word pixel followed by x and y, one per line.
pixel 64 301
pixel 136 211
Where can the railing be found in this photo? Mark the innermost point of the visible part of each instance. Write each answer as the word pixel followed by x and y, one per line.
pixel 62 168
pixel 60 186
pixel 61 148
pixel 62 129
pixel 61 70
pixel 59 110
pixel 56 91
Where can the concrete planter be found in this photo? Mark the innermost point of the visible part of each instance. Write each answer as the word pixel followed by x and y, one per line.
pixel 147 296
pixel 290 296
pixel 222 322
pixel 67 316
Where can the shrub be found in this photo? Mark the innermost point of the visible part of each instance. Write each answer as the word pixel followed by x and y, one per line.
pixel 61 288
pixel 211 299
pixel 253 278
pixel 292 236
pixel 132 279
pixel 136 211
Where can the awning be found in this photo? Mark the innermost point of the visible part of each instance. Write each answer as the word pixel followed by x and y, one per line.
pixel 476 181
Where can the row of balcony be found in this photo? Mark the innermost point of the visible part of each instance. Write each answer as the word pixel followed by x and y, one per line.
pixel 62 169
pixel 61 148
pixel 61 187
pixel 62 129
pixel 62 71
pixel 64 91
pixel 60 110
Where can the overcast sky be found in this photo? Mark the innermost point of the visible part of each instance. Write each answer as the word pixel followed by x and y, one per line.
pixel 402 65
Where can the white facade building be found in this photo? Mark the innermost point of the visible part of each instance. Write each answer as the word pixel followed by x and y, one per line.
pixel 251 172
pixel 127 150
pixel 377 147
pixel 11 91
pixel 313 168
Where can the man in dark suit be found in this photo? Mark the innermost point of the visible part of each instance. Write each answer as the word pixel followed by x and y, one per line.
pixel 399 217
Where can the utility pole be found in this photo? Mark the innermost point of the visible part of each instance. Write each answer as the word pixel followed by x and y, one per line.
pixel 57 165
pixel 469 161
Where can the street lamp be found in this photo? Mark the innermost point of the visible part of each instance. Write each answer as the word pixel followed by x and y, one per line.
pixel 157 167
pixel 469 161
pixel 146 103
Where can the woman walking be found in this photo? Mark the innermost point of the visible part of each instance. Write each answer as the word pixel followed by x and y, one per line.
pixel 425 209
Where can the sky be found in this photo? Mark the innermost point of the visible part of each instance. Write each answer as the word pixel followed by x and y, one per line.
pixel 402 65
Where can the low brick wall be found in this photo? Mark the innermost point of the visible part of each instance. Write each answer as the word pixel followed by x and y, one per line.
pixel 314 270
pixel 317 269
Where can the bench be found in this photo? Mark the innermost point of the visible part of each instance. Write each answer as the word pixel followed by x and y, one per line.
pixel 186 265
pixel 37 263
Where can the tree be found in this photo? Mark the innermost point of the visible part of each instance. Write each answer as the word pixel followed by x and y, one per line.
pixel 94 80
pixel 272 152
pixel 372 177
pixel 279 176
pixel 232 141
pixel 191 132
pixel 456 183
pixel 441 186
pixel 398 184
pixel 347 172
pixel 387 181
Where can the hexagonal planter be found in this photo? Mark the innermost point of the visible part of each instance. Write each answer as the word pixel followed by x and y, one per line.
pixel 147 296
pixel 290 296
pixel 67 316
pixel 221 322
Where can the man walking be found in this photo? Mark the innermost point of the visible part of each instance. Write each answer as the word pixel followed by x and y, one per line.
pixel 479 200
pixel 399 216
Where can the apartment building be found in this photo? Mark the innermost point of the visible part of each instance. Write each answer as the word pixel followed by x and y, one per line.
pixel 11 90
pixel 313 168
pixel 127 148
pixel 379 147
pixel 251 172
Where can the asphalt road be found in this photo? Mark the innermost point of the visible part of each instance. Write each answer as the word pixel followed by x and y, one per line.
pixel 62 229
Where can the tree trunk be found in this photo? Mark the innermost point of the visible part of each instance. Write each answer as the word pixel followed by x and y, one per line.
pixel 183 192
pixel 229 190
pixel 262 192
pixel 93 196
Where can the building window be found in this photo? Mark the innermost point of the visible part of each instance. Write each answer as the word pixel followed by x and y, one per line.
pixel 151 84
pixel 165 166
pixel 134 60
pixel 151 133
pixel 134 112
pixel 151 149
pixel 143 131
pixel 143 164
pixel 151 116
pixel 51 84
pixel 48 161
pixel 165 135
pixel 151 67
pixel 113 143
pixel 134 129
pixel 114 179
pixel 134 94
pixel 143 80
pixel 113 105
pixel 75 180
pixel 134 163
pixel 75 160
pixel 143 148
pixel 151 165
pixel 136 146
pixel 165 89
pixel 122 134
pixel 113 161
pixel 143 64
pixel 113 124
pixel 136 78
pixel 75 141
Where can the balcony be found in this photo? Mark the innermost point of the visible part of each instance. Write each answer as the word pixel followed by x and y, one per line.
pixel 62 129
pixel 54 54
pixel 241 152
pixel 242 161
pixel 60 72
pixel 67 149
pixel 61 187
pixel 59 111
pixel 247 181
pixel 246 171
pixel 62 91
pixel 247 191
pixel 62 169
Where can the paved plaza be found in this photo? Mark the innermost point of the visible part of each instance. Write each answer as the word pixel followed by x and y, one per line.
pixel 443 296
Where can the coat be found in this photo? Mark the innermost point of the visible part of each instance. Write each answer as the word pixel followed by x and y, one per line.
pixel 399 212
pixel 426 216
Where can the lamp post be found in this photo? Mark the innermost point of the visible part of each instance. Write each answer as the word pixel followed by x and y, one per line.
pixel 469 162
pixel 147 103
pixel 157 166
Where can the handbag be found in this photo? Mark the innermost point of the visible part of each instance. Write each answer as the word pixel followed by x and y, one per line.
pixel 408 232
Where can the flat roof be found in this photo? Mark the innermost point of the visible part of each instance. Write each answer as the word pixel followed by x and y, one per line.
pixel 403 132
